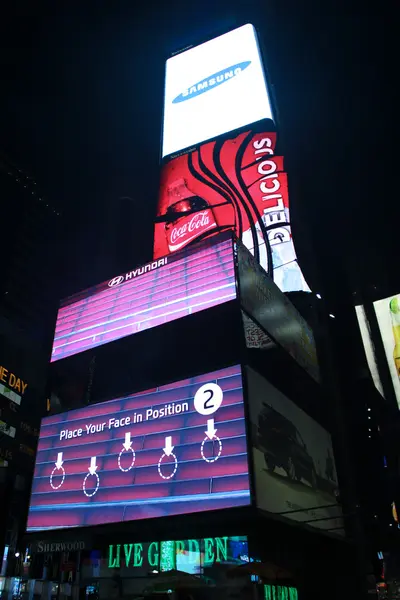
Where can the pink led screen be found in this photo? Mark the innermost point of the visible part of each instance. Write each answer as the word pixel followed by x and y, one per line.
pixel 180 448
pixel 156 293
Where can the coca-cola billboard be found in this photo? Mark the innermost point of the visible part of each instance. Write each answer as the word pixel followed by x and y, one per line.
pixel 235 183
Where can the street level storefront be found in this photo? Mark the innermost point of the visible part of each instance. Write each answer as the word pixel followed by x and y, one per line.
pixel 203 567
pixel 238 556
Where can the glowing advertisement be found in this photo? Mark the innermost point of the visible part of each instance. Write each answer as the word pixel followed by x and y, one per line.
pixel 161 291
pixel 233 183
pixel 388 316
pixel 270 308
pixel 214 88
pixel 369 348
pixel 294 466
pixel 180 448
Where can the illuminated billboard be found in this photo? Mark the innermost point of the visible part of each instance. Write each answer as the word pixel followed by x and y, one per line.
pixel 232 183
pixel 180 448
pixel 214 88
pixel 159 292
pixel 388 315
pixel 270 308
pixel 293 459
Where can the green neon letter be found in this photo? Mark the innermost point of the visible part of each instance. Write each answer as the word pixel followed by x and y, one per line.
pixel 153 554
pixel 128 552
pixel 208 550
pixel 137 555
pixel 113 562
pixel 222 548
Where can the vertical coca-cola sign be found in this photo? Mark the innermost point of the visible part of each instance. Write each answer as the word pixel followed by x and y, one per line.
pixel 235 182
pixel 222 168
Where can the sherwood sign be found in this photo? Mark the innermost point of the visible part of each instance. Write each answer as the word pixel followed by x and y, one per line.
pixel 43 546
pixel 135 555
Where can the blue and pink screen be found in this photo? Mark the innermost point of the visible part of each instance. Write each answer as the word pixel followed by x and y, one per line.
pixel 149 296
pixel 180 448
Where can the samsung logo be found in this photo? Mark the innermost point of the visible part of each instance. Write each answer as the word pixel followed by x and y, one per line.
pixel 212 82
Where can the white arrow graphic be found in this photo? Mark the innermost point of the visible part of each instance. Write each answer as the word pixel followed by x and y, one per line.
pixel 168 446
pixel 59 460
pixel 93 466
pixel 127 443
pixel 211 431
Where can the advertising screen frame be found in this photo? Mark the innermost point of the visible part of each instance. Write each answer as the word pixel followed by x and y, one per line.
pixel 261 53
pixel 184 515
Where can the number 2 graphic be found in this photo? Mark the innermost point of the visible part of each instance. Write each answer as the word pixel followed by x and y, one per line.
pixel 208 398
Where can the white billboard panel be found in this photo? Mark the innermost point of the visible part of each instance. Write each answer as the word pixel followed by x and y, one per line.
pixel 388 315
pixel 293 460
pixel 214 88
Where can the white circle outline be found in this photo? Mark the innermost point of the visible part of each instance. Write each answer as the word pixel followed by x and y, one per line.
pixel 57 487
pixel 84 485
pixel 159 466
pixel 217 394
pixel 133 459
pixel 215 458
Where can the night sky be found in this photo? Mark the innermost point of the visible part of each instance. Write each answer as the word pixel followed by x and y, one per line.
pixel 81 105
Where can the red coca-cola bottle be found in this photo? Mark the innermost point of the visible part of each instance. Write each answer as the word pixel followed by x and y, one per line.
pixel 188 217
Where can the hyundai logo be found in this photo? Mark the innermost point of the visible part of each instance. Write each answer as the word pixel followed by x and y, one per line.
pixel 211 82
pixel 116 281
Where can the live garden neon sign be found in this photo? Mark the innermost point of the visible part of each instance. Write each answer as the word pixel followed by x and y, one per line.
pixel 135 555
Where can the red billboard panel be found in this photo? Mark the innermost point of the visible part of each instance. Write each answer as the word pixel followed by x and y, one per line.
pixel 233 183
pixel 179 448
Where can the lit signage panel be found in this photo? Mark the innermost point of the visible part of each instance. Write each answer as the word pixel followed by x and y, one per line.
pixel 235 183
pixel 369 348
pixel 388 315
pixel 270 308
pixel 214 88
pixel 294 465
pixel 180 448
pixel 154 294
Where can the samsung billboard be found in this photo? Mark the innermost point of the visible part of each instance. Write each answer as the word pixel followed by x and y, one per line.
pixel 214 88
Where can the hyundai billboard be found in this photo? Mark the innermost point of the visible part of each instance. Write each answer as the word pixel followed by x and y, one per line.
pixel 214 88
pixel 161 291
pixel 180 448
pixel 233 183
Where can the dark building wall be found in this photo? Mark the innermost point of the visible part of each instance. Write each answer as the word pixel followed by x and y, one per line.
pixel 29 251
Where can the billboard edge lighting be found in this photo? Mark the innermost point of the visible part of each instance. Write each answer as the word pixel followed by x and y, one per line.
pixel 178 449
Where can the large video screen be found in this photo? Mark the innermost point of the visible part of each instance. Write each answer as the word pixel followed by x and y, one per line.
pixel 180 448
pixel 235 183
pixel 154 294
pixel 294 464
pixel 388 315
pixel 214 88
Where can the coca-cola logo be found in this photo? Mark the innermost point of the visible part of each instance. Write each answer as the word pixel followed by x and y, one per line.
pixel 198 221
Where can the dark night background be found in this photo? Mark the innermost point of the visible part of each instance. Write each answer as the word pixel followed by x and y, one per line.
pixel 81 96
pixel 81 105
